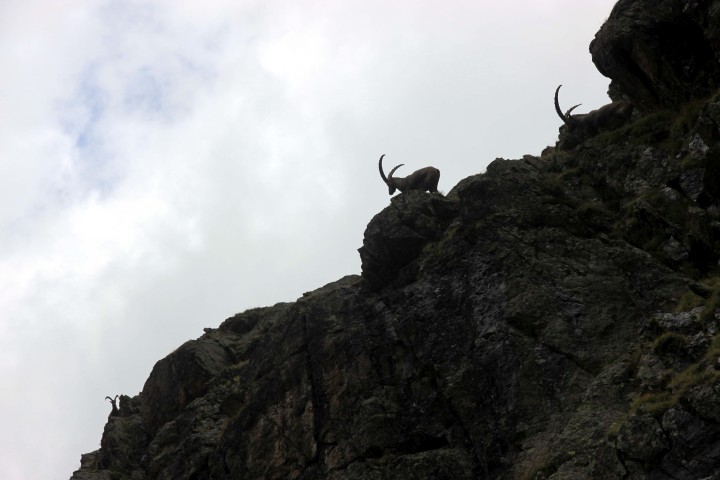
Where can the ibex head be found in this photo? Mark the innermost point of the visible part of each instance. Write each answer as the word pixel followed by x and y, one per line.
pixel 567 118
pixel 425 179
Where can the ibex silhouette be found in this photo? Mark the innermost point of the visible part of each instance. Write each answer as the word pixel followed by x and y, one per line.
pixel 425 180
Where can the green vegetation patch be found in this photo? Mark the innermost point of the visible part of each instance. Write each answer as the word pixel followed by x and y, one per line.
pixel 653 403
pixel 672 344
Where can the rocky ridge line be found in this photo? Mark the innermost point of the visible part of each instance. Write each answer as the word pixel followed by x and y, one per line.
pixel 553 318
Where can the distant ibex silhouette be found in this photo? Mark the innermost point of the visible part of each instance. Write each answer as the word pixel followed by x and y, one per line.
pixel 425 180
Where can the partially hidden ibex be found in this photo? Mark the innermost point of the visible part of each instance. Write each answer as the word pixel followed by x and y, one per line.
pixel 606 117
pixel 113 401
pixel 425 180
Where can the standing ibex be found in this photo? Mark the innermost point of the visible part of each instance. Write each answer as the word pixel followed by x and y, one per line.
pixel 425 179
pixel 606 117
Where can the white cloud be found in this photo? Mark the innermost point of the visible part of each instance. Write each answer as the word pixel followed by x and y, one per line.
pixel 164 165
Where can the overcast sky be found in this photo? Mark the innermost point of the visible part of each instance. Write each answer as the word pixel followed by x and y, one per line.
pixel 167 164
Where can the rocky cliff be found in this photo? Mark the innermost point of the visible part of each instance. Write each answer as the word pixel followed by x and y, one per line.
pixel 555 318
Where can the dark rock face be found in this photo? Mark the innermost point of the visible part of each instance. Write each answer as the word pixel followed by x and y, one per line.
pixel 180 378
pixel 556 317
pixel 397 236
pixel 660 53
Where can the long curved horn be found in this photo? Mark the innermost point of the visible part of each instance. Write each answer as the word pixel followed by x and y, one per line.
pixel 382 174
pixel 393 170
pixel 566 118
pixel 557 105
pixel 567 114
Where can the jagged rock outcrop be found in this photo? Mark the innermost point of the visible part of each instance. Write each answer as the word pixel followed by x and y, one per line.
pixel 556 317
pixel 660 53
pixel 396 239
